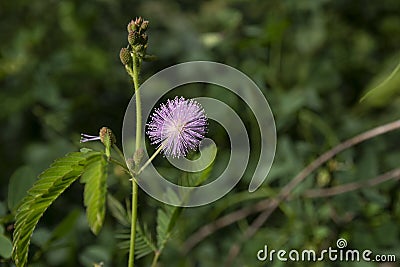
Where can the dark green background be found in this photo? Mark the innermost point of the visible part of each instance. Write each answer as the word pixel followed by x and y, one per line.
pixel 60 75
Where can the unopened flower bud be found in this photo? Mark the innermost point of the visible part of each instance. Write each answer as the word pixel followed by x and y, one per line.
pixel 131 26
pixel 106 135
pixel 144 26
pixel 137 39
pixel 138 21
pixel 133 38
pixel 108 139
pixel 125 56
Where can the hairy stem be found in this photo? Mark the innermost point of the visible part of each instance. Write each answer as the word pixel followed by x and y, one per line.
pixel 133 224
pixel 135 78
pixel 136 69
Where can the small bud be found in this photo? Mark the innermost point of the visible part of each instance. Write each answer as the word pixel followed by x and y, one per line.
pixel 133 38
pixel 137 39
pixel 106 135
pixel 131 26
pixel 144 26
pixel 108 139
pixel 138 21
pixel 125 56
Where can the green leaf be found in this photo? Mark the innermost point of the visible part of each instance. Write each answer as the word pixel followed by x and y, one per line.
pixel 5 247
pixel 51 183
pixel 166 220
pixel 118 211
pixel 144 244
pixel 21 180
pixel 85 150
pixel 93 255
pixel 95 193
pixel 3 209
pixel 167 217
pixel 193 179
pixel 124 236
pixel 384 92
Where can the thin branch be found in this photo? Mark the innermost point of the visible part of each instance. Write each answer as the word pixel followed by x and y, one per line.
pixel 269 205
pixel 222 222
pixel 120 164
pixel 287 189
pixel 340 189
pixel 390 175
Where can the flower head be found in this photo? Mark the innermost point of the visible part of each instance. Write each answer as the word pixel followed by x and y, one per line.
pixel 137 37
pixel 178 126
pixel 125 56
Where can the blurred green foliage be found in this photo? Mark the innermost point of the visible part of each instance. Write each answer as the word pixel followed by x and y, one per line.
pixel 60 75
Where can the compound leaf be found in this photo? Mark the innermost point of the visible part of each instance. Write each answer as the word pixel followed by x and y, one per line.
pixel 51 183
pixel 95 193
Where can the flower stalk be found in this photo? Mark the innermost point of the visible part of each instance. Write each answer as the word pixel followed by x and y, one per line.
pixel 131 57
pixel 135 78
pixel 150 160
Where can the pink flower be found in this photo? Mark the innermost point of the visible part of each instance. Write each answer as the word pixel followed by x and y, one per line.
pixel 177 126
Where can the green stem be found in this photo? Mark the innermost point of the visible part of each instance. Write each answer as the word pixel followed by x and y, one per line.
pixel 133 223
pixel 136 67
pixel 135 78
pixel 150 159
pixel 120 154
pixel 119 164
pixel 155 259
